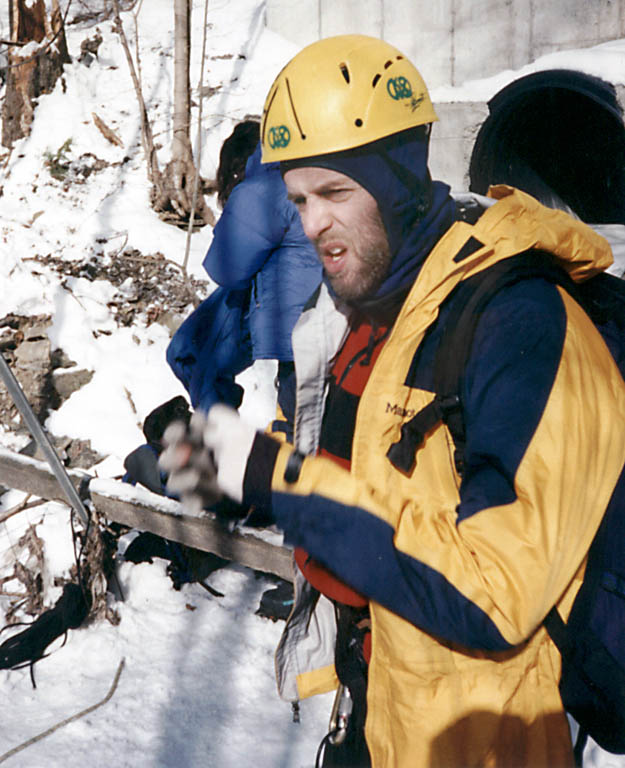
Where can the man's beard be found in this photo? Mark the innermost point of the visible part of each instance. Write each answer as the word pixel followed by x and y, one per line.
pixel 374 258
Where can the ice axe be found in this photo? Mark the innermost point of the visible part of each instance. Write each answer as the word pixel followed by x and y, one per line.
pixel 43 441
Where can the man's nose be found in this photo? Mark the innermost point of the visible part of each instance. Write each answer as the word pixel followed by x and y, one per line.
pixel 316 218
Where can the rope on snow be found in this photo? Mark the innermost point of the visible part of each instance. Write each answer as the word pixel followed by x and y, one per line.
pixel 68 720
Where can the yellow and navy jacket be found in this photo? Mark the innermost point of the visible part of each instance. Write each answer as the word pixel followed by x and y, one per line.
pixel 460 573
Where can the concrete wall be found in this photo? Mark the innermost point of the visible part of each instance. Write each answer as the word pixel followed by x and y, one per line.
pixel 453 137
pixel 452 41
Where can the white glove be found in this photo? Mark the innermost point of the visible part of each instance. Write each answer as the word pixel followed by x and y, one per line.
pixel 230 440
pixel 213 456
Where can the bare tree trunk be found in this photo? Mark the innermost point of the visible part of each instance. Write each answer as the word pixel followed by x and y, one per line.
pixel 180 173
pixel 32 74
pixel 181 152
pixel 172 190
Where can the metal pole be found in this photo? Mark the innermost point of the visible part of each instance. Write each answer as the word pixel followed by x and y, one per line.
pixel 43 441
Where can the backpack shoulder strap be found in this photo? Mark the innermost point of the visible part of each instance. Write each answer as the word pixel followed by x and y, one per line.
pixel 603 298
pixel 467 303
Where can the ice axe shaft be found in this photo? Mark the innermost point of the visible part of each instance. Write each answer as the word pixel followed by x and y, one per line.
pixel 36 430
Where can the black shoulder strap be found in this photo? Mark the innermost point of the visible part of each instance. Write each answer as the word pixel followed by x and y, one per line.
pixel 603 298
pixel 467 301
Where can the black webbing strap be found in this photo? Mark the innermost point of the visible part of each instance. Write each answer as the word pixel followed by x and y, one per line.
pixel 467 303
pixel 402 454
pixel 349 661
pixel 560 634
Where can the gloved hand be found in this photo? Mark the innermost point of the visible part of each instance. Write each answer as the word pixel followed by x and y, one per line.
pixel 192 475
pixel 208 459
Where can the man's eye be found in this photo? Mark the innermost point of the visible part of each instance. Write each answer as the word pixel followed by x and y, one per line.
pixel 338 194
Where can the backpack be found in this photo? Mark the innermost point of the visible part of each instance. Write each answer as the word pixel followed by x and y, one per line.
pixel 592 641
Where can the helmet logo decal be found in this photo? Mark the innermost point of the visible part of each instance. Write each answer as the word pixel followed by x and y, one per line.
pixel 279 137
pixel 416 102
pixel 399 88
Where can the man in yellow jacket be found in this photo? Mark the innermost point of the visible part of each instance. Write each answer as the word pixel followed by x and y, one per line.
pixel 423 591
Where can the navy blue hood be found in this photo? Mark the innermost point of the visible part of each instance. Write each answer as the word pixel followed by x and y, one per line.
pixel 415 211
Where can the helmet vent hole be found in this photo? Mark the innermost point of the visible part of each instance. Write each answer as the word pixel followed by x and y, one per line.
pixel 375 80
pixel 344 72
pixel 388 64
pixel 358 122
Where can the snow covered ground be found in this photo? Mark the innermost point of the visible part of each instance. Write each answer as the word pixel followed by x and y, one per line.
pixel 197 686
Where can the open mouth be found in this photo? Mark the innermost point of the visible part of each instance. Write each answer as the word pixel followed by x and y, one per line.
pixel 333 258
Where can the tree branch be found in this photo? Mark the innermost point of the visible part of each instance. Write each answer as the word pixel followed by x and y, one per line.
pixel 154 173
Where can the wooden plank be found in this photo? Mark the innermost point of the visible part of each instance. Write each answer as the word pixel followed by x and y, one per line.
pixel 146 511
pixel 204 533
pixel 22 473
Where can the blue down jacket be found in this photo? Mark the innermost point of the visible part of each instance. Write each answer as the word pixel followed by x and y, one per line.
pixel 211 347
pixel 267 270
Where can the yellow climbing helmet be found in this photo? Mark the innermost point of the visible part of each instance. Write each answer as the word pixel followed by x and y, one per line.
pixel 339 93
